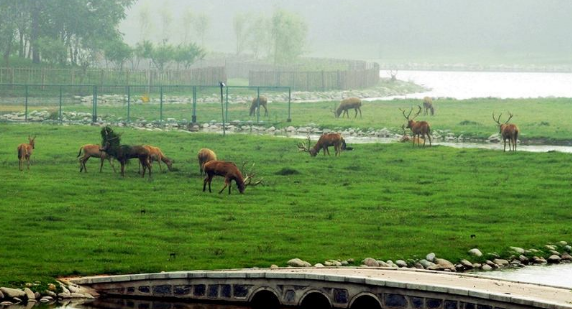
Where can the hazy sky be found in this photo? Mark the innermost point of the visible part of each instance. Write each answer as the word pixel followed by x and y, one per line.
pixel 374 29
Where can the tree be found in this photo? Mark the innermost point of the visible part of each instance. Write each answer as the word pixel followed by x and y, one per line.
pixel 52 51
pixel 7 30
pixel 162 55
pixel 259 36
pixel 117 52
pixel 143 50
pixel 186 25
pixel 145 21
pixel 187 54
pixel 240 24
pixel 166 19
pixel 201 25
pixel 289 32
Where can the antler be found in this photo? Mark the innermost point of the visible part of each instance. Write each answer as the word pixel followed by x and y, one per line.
pixel 304 147
pixel 418 112
pixel 249 176
pixel 403 111
pixel 498 119
pixel 510 116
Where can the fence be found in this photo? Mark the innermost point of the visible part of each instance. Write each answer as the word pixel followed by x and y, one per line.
pixel 141 103
pixel 51 76
pixel 318 81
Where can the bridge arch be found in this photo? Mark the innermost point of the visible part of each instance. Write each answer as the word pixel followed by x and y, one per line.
pixel 365 301
pixel 264 298
pixel 315 299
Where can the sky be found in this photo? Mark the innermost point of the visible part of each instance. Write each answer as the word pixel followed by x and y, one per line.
pixel 409 30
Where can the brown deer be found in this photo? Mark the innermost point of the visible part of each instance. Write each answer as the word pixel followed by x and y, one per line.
pixel 419 129
pixel 205 155
pixel 405 138
pixel 155 154
pixel 254 105
pixel 346 105
pixel 325 141
pixel 25 152
pixel 89 151
pixel 111 142
pixel 508 131
pixel 428 106
pixel 230 172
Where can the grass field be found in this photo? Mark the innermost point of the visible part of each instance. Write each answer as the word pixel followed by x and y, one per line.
pixel 387 201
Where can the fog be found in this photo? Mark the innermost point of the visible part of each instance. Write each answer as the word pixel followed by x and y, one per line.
pixel 391 30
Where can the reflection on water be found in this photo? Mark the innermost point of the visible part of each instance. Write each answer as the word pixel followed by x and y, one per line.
pixel 465 85
pixel 556 275
pixel 120 303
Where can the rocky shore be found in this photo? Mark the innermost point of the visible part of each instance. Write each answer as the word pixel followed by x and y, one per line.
pixel 36 293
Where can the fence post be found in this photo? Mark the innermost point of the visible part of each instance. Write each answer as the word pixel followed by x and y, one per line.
pixel 194 117
pixel 257 104
pixel 94 113
pixel 161 104
pixel 222 109
pixel 226 99
pixel 289 104
pixel 60 105
pixel 128 103
pixel 26 104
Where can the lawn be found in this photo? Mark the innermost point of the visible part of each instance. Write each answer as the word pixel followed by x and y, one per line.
pixel 387 201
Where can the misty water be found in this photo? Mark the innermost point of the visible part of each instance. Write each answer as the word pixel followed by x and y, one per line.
pixel 504 85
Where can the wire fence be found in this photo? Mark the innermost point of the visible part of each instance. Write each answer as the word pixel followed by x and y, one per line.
pixel 189 104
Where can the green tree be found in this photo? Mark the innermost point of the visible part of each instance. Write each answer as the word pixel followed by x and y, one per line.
pixel 7 30
pixel 145 21
pixel 259 36
pixel 142 50
pixel 162 55
pixel 187 54
pixel 186 25
pixel 240 25
pixel 289 32
pixel 201 25
pixel 118 52
pixel 52 51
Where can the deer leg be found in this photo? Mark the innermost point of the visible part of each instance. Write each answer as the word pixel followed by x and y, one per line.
pixel 28 160
pixel 101 165
pixel 225 185
pixel 429 137
pixel 122 168
pixel 207 179
pixel 160 167
pixel 149 166
pixel 504 139
pixel 359 109
pixel 355 116
pixel 111 163
pixel 265 110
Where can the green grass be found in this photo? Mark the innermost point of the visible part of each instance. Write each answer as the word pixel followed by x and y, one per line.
pixel 387 201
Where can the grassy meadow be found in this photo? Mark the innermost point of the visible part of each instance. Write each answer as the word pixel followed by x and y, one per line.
pixel 388 201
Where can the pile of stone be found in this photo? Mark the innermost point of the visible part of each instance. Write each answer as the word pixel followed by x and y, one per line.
pixel 10 296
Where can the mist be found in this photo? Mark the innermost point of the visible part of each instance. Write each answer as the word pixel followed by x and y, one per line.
pixel 518 31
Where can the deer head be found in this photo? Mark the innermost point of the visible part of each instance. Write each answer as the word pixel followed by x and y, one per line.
pixel 249 176
pixel 32 141
pixel 501 125
pixel 411 121
pixel 306 148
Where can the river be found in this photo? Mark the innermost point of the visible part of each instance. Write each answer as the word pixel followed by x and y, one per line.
pixel 466 85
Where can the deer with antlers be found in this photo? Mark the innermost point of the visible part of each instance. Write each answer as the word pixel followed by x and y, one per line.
pixel 346 105
pixel 255 104
pixel 92 151
pixel 25 152
pixel 508 131
pixel 205 155
pixel 111 142
pixel 428 106
pixel 419 129
pixel 230 172
pixel 405 138
pixel 325 141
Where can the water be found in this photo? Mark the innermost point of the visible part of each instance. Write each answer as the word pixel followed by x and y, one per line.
pixel 466 85
pixel 555 275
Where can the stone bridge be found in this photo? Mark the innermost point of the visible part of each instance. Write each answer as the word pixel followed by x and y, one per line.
pixel 319 288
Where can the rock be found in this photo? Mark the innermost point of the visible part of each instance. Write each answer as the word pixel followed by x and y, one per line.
pixel 351 261
pixel 501 262
pixel 370 262
pixel 1 295
pixel 6 303
pixel 12 293
pixel 568 248
pixel 430 257
pixel 319 265
pixel 475 252
pixel 426 264
pixel 444 264
pixel 555 252
pixel 296 262
pixel 550 247
pixel 523 259
pixel 328 263
pixel 466 264
pixel 383 264
pixel 554 259
pixel 17 300
pixel 566 257
pixel 46 299
pixel 50 293
pixel 517 250
pixel 37 295
pixel 401 263
pixel 274 266
pixel 562 243
pixel 486 268
pixel 538 260
pixel 345 263
pixel 30 295
pixel 418 266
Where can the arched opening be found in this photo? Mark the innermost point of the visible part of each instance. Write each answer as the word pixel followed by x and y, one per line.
pixel 366 302
pixel 264 300
pixel 315 301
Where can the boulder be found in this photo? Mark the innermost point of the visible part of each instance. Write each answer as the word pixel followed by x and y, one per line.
pixel 12 293
pixel 487 268
pixel 501 262
pixel 370 262
pixel 401 263
pixel 318 265
pixel 466 264
pixel 517 250
pixel 30 295
pixel 444 264
pixel 430 257
pixel 296 262
pixel 554 259
pixel 475 252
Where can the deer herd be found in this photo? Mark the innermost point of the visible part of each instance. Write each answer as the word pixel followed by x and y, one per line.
pixel 210 166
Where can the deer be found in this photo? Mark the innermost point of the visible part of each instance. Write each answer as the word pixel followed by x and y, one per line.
pixel 346 105
pixel 508 131
pixel 325 141
pixel 111 142
pixel 89 151
pixel 157 155
pixel 263 103
pixel 405 138
pixel 25 152
pixel 428 106
pixel 230 172
pixel 205 155
pixel 419 129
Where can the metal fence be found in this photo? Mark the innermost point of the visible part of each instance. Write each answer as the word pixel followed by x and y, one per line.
pixel 188 104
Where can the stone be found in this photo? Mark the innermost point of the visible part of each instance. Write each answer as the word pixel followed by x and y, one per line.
pixel 318 265
pixel 370 262
pixel 517 250
pixel 466 264
pixel 383 264
pixel 562 243
pixel 6 303
pixel 475 252
pixel 418 266
pixel 430 257
pixel 523 259
pixel 426 264
pixel 568 248
pixel 550 247
pixel 401 263
pixel 30 295
pixel 501 262
pixel 486 268
pixel 1 295
pixel 538 260
pixel 296 262
pixel 12 293
pixel 52 294
pixel 444 264
pixel 554 259
pixel 274 266
pixel 566 257
pixel 555 252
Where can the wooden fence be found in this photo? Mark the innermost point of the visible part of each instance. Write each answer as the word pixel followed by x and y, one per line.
pixel 317 81
pixel 45 76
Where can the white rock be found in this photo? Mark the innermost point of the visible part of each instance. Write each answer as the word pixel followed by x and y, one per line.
pixel 475 252
pixel 430 257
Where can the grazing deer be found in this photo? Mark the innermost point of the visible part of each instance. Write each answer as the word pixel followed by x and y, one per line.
pixel 111 142
pixel 263 103
pixel 508 131
pixel 325 141
pixel 205 155
pixel 346 105
pixel 419 129
pixel 157 155
pixel 428 106
pixel 230 172
pixel 89 151
pixel 25 151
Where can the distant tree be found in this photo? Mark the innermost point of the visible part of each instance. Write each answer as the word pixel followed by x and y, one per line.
pixel 145 21
pixel 142 50
pixel 201 25
pixel 52 51
pixel 162 55
pixel 289 32
pixel 259 35
pixel 240 24
pixel 187 54
pixel 186 25
pixel 7 30
pixel 166 20
pixel 117 52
